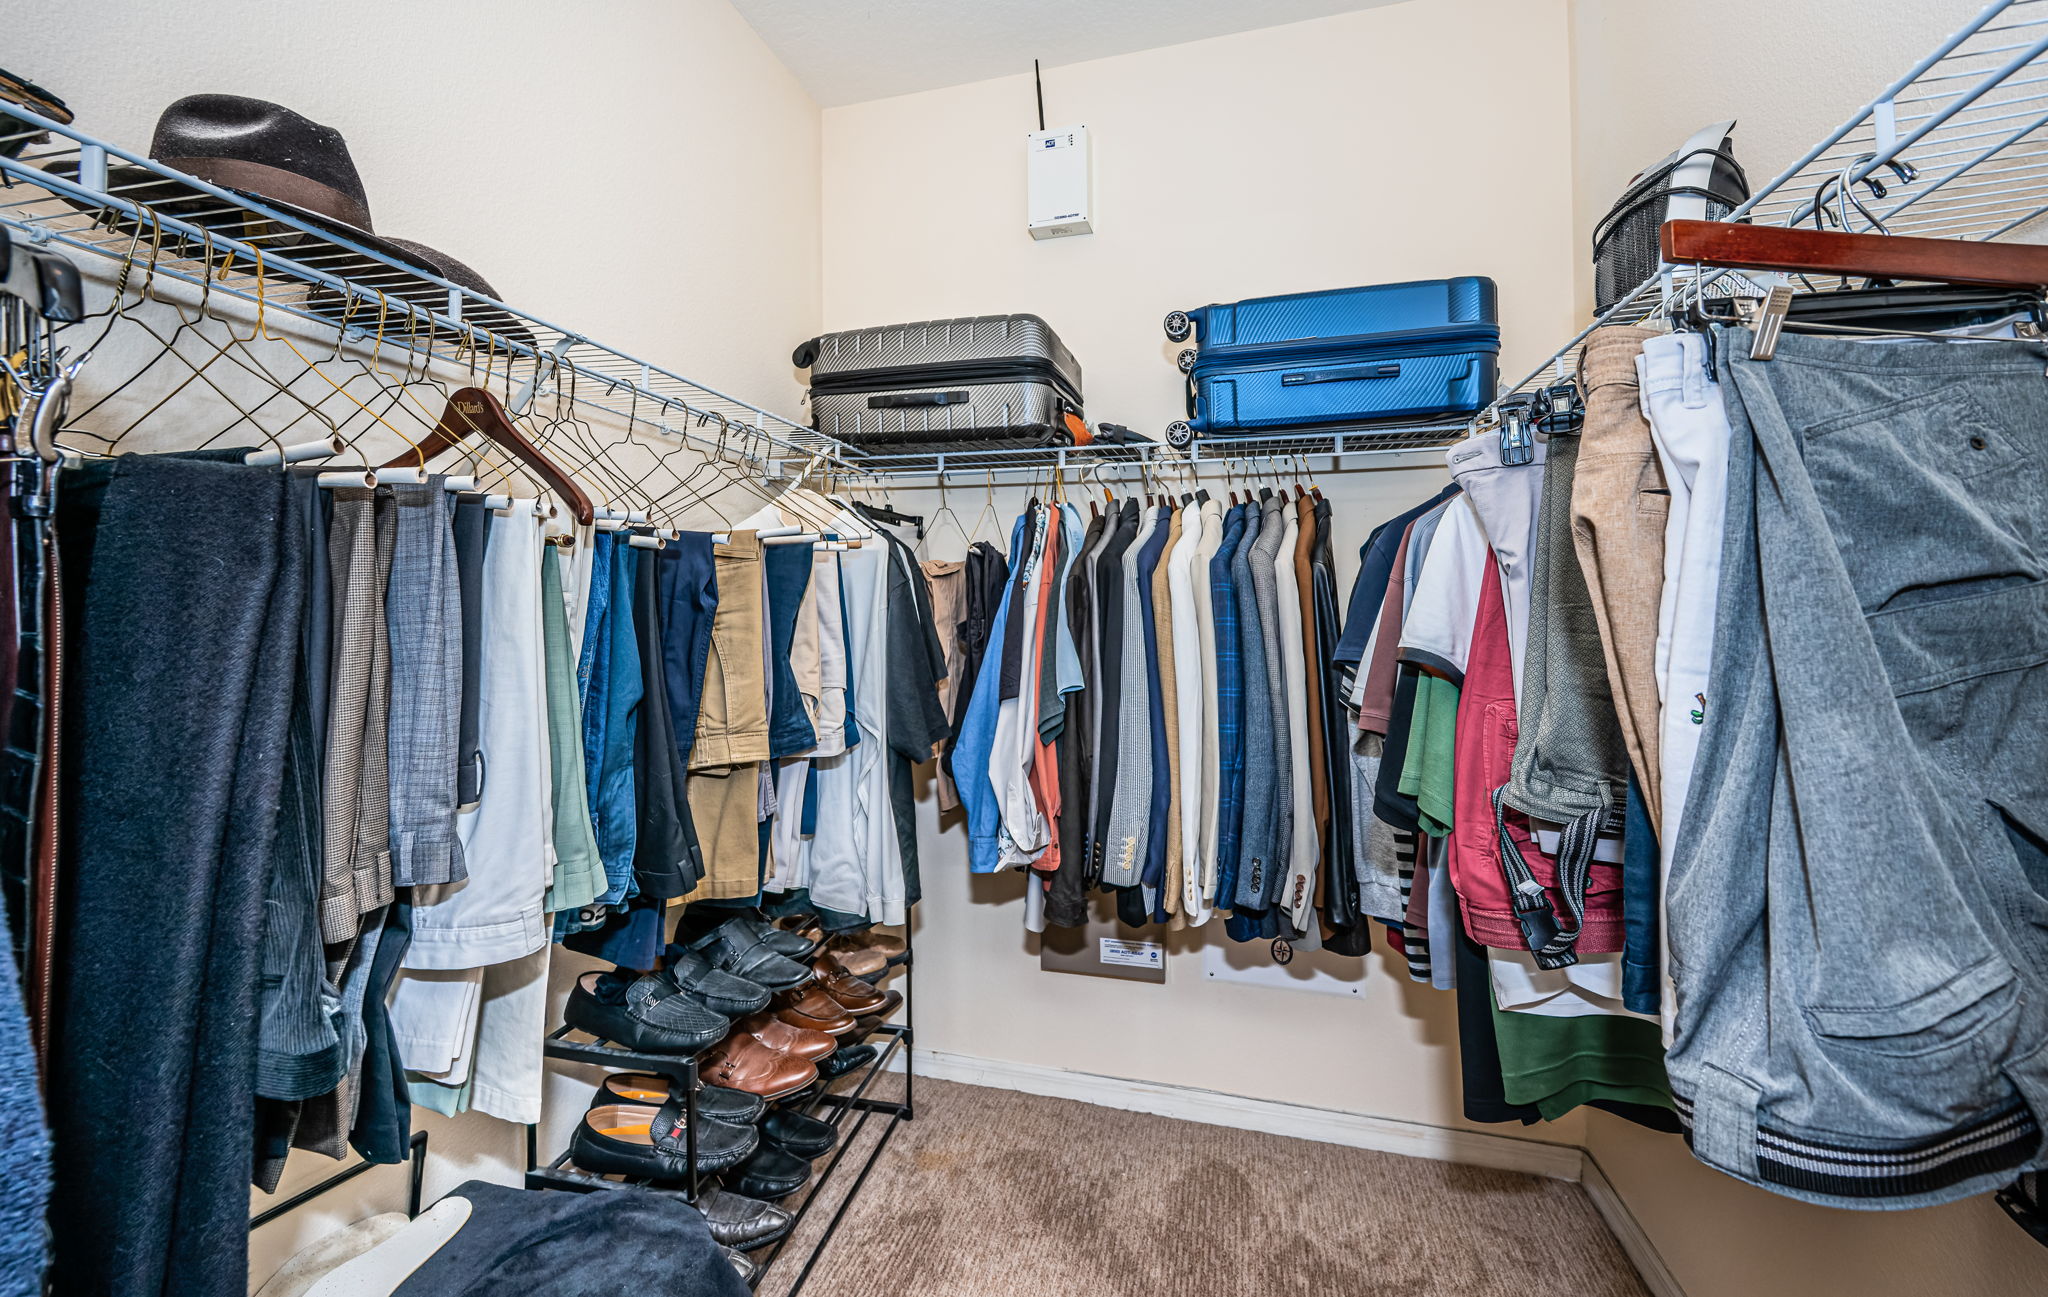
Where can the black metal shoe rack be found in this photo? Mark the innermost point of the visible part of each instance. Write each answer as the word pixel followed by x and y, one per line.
pixel 843 1101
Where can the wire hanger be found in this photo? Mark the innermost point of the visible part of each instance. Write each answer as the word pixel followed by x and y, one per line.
pixel 943 512
pixel 988 509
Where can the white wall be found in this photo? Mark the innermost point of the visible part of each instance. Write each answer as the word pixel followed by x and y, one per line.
pixel 1322 153
pixel 1345 150
pixel 1645 76
pixel 651 178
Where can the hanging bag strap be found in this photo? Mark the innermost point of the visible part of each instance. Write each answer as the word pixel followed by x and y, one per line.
pixel 1554 945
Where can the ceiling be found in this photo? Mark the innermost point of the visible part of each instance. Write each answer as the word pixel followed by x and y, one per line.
pixel 848 51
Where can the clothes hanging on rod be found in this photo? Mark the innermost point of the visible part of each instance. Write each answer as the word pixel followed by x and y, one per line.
pixel 1528 791
pixel 366 880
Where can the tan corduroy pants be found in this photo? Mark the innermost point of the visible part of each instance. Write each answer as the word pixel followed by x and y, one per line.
pixel 1619 504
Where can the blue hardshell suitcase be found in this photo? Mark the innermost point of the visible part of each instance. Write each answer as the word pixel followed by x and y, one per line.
pixel 1344 356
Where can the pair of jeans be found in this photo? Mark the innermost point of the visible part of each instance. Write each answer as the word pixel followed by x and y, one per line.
pixel 789 576
pixel 608 679
pixel 689 608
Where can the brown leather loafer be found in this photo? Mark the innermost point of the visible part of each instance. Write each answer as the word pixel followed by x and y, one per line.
pixel 860 960
pixel 853 995
pixel 804 925
pixel 809 1007
pixel 891 1001
pixel 797 1042
pixel 740 1062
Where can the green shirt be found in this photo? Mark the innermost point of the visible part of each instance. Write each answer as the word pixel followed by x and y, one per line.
pixel 1556 1064
pixel 1432 737
pixel 579 872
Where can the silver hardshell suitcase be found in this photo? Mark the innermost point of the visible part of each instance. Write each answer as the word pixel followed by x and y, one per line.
pixel 983 381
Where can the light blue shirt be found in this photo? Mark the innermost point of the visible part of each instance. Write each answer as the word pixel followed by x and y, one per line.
pixel 1067 665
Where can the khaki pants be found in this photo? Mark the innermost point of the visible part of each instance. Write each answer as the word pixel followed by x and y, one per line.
pixel 1619 508
pixel 725 804
pixel 732 720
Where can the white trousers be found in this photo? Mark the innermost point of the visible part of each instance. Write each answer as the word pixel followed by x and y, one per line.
pixel 1689 425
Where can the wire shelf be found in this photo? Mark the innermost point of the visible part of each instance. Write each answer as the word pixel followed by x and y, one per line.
pixel 1956 148
pixel 65 188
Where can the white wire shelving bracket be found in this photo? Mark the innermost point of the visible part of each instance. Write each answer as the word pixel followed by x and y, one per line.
pixel 68 189
pixel 1969 121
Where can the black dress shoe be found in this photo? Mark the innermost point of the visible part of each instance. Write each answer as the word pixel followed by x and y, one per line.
pixel 770 1173
pixel 745 955
pixel 642 1142
pixel 741 1264
pixel 846 1060
pixel 735 1107
pixel 790 945
pixel 739 1221
pixel 807 1137
pixel 715 988
pixel 647 1014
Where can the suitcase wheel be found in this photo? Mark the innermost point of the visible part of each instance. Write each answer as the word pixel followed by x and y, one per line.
pixel 1178 326
pixel 1186 360
pixel 1179 435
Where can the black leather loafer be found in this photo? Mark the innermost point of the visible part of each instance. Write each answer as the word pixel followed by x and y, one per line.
pixel 807 1137
pixel 647 1014
pixel 790 945
pixel 770 1173
pixel 735 1107
pixel 746 956
pixel 716 989
pixel 739 1221
pixel 846 1060
pixel 641 1142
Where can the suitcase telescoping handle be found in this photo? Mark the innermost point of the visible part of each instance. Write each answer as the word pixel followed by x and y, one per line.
pixel 907 400
pixel 1343 375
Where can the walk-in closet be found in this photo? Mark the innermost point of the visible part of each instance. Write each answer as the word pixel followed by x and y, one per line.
pixel 919 649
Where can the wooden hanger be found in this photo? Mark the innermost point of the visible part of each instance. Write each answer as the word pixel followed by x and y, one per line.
pixel 1828 252
pixel 472 409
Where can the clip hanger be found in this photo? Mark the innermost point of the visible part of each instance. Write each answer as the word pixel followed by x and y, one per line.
pixel 1517 435
pixel 1769 321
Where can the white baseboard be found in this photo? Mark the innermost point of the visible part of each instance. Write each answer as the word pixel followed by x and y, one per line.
pixel 1627 1231
pixel 1329 1126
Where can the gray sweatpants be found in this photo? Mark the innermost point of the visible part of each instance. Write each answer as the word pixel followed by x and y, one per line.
pixel 1859 928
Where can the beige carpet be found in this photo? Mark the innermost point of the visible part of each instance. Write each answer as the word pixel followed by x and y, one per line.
pixel 989 1193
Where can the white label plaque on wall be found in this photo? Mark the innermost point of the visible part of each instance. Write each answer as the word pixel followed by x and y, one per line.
pixel 1252 962
pixel 1119 953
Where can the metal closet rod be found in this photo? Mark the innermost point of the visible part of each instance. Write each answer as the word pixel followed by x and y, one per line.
pixel 962 464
